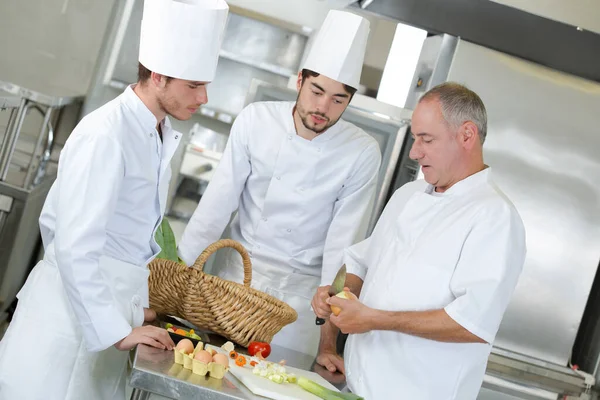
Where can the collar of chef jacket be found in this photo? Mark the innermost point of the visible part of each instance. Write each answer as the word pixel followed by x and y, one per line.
pixel 170 137
pixel 464 185
pixel 144 116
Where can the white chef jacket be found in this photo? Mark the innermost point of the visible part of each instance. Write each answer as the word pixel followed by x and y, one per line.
pixel 108 200
pixel 461 251
pixel 299 202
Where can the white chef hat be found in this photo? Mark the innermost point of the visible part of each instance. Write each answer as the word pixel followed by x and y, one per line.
pixel 338 50
pixel 182 38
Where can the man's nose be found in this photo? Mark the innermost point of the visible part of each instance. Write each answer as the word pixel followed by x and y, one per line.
pixel 323 105
pixel 202 96
pixel 415 151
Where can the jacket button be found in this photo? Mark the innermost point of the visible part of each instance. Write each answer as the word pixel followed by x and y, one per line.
pixel 264 219
pixel 278 178
pixel 289 137
pixel 289 230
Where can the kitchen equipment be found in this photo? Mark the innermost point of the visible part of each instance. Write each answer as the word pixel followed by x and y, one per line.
pixel 336 286
pixel 27 170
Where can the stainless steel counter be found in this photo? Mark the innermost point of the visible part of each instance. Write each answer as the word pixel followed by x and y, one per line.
pixel 508 377
pixel 154 371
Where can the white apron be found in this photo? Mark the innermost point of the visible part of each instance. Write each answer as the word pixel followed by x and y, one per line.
pixel 44 339
pixel 285 284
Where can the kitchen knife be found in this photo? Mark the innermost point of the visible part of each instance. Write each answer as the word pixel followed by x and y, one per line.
pixel 336 286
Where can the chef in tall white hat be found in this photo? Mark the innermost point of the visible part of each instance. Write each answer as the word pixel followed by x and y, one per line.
pixel 301 179
pixel 82 307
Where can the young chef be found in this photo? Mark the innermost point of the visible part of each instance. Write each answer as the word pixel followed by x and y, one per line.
pixel 82 307
pixel 438 270
pixel 301 179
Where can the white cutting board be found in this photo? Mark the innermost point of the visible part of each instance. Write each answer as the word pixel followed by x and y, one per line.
pixel 276 391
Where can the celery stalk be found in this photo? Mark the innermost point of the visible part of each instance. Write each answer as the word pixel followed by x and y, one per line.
pixel 323 392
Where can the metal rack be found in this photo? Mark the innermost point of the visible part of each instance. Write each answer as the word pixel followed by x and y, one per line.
pixel 24 184
pixel 47 106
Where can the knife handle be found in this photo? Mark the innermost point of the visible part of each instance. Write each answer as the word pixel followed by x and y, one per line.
pixel 319 321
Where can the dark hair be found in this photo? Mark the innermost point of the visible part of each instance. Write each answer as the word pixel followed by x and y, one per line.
pixel 144 74
pixel 307 72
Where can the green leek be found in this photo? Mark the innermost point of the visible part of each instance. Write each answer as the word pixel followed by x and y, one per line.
pixel 166 240
pixel 323 392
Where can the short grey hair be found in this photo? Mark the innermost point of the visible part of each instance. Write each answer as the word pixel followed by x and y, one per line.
pixel 459 105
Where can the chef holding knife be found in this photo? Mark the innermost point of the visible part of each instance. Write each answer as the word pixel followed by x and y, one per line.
pixel 82 307
pixel 436 275
pixel 301 179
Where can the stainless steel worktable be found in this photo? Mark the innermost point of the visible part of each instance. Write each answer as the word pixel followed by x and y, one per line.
pixel 154 371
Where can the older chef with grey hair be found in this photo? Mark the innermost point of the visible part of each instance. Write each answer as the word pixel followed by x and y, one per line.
pixel 82 308
pixel 301 179
pixel 438 272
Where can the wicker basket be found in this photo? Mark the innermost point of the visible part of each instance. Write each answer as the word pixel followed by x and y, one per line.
pixel 238 312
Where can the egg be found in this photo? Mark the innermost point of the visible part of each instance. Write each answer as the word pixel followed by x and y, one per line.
pixel 211 351
pixel 221 359
pixel 203 356
pixel 185 345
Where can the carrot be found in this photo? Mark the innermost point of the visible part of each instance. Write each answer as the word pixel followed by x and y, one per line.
pixel 240 361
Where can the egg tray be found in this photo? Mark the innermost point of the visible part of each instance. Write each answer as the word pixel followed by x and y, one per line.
pixel 213 369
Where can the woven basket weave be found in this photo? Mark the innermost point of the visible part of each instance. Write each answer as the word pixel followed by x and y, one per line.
pixel 238 312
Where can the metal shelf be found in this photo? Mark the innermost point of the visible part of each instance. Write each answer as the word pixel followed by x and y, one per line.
pixel 275 69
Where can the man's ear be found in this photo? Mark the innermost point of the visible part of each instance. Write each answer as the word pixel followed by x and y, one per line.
pixel 158 80
pixel 299 81
pixel 469 134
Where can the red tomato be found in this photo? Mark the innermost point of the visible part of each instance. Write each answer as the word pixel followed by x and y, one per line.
pixel 259 347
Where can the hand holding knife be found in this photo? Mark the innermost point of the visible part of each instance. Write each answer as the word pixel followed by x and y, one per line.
pixel 336 286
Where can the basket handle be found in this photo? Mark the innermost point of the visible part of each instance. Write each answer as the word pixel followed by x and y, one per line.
pixel 199 264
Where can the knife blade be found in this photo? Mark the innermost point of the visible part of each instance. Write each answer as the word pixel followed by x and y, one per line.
pixel 336 286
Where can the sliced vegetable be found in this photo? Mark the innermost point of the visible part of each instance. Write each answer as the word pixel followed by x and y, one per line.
pixel 277 378
pixel 253 363
pixel 240 361
pixel 274 372
pixel 233 355
pixel 323 392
